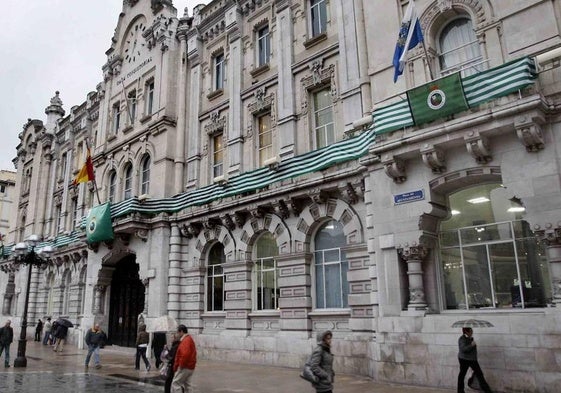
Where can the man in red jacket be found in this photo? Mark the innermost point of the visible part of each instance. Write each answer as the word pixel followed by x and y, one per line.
pixel 184 364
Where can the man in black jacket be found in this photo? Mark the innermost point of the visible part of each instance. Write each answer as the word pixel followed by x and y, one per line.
pixel 6 338
pixel 95 338
pixel 467 356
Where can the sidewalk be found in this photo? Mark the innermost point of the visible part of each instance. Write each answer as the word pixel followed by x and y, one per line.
pixel 210 376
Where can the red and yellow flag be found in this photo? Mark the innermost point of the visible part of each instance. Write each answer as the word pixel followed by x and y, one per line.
pixel 86 174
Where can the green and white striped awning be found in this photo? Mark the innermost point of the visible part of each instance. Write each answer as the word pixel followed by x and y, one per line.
pixel 479 88
pixel 346 150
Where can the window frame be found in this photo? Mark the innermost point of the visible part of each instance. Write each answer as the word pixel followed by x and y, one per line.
pixel 260 133
pixel 321 7
pixel 210 279
pixel 145 175
pixel 315 114
pixel 218 62
pixel 263 45
pixel 112 186
pixel 257 276
pixel 132 101
pixel 127 181
pixel 149 106
pixel 217 166
pixel 116 118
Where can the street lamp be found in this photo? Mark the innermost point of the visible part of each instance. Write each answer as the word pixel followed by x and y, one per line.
pixel 26 255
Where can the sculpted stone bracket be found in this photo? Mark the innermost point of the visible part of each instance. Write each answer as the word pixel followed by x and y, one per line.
pixel 395 168
pixel 478 147
pixel 191 230
pixel 434 158
pixel 529 132
pixel 550 235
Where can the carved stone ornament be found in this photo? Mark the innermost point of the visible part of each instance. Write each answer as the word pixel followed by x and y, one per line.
pixel 228 222
pixel 479 148
pixel 282 209
pixel 351 194
pixel 320 76
pixel 142 234
pixel 395 168
pixel 529 132
pixel 550 234
pixel 434 158
pixel 216 124
pixel 416 252
pixel 261 102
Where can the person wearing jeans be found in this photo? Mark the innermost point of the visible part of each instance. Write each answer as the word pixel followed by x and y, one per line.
pixel 142 340
pixel 95 338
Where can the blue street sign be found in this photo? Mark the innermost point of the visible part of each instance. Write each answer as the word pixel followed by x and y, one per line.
pixel 407 197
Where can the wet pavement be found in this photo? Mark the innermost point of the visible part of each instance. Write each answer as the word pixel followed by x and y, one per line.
pixel 50 372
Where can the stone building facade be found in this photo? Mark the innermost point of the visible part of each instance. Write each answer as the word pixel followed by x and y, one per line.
pixel 255 200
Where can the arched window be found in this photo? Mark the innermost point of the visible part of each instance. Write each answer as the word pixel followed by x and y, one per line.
pixel 331 266
pixel 265 275
pixel 489 257
pixel 459 48
pixel 215 278
pixel 112 186
pixel 127 189
pixel 145 175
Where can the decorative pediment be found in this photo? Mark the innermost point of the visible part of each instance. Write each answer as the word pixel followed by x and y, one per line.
pixel 320 76
pixel 217 123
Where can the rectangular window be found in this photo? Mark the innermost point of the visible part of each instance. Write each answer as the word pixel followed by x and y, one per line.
pixel 116 118
pixel 128 183
pixel 318 14
pixel 149 97
pixel 78 159
pixel 60 221
pixel 332 288
pixel 323 118
pixel 217 156
pixel 2 188
pixel 219 72
pixel 265 138
pixel 263 46
pixel 267 291
pixel 62 166
pixel 75 217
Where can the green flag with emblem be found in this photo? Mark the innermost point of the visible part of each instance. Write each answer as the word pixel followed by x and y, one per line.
pixel 99 227
pixel 437 99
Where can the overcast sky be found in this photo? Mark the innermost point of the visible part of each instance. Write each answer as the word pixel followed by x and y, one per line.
pixel 48 46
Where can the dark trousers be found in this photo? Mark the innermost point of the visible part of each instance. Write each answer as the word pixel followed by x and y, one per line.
pixel 38 335
pixel 464 366
pixel 141 352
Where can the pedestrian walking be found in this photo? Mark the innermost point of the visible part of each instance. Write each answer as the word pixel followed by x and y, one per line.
pixel 321 363
pixel 95 339
pixel 6 338
pixel 170 359
pixel 60 336
pixel 467 356
pixel 47 337
pixel 142 340
pixel 39 330
pixel 158 343
pixel 184 363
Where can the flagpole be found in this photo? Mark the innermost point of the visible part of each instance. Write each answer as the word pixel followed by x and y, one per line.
pixel 427 60
pixel 94 181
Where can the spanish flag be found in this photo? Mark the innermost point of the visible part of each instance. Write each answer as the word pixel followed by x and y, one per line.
pixel 86 174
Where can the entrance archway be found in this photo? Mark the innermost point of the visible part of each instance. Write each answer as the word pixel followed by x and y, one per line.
pixel 126 303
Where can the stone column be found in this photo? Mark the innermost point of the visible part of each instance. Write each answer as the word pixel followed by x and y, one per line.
pixel 414 256
pixel 551 237
pixel 99 291
pixel 174 272
pixel 181 115
pixel 146 283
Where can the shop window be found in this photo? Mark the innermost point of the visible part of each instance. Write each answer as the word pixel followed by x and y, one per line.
pixel 459 48
pixel 323 118
pixel 331 267
pixel 265 274
pixel 145 175
pixel 215 278
pixel 489 256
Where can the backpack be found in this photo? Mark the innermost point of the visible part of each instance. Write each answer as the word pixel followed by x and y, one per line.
pixel 307 372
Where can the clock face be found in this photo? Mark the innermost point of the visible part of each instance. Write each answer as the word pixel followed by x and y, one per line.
pixel 134 43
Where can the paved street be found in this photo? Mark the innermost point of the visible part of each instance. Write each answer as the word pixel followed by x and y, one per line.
pixel 48 371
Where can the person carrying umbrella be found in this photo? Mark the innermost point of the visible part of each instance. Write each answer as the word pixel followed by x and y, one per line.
pixel 467 356
pixel 61 331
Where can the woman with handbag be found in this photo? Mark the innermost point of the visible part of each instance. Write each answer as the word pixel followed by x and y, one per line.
pixel 170 358
pixel 142 340
pixel 321 363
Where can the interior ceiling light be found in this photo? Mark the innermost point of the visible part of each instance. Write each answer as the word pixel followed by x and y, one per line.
pixel 478 200
pixel 455 212
pixel 516 209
